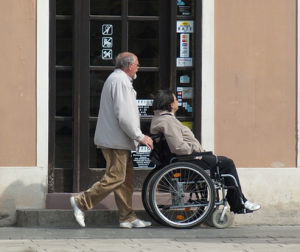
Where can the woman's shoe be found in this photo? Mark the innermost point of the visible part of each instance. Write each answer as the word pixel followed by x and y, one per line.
pixel 251 206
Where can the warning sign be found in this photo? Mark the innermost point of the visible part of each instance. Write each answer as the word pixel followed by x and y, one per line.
pixel 107 29
pixel 107 42
pixel 106 54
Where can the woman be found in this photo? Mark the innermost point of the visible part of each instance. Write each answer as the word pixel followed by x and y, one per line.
pixel 182 141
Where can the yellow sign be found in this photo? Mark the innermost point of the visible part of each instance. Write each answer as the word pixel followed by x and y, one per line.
pixel 189 124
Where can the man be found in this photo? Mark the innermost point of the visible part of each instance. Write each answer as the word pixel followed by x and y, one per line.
pixel 117 133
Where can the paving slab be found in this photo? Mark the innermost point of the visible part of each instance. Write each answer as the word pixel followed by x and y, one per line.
pixel 156 238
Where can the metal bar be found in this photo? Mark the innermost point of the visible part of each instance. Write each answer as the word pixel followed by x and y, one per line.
pixel 198 67
pixel 52 92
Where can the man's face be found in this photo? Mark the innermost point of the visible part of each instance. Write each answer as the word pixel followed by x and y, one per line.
pixel 133 68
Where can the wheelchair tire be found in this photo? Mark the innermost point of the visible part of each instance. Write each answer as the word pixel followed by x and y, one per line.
pixel 208 221
pixel 146 192
pixel 170 195
pixel 216 219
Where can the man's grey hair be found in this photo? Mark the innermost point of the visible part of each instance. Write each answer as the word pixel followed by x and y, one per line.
pixel 124 61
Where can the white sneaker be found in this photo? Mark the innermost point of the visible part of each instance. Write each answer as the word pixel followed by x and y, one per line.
pixel 137 223
pixel 79 215
pixel 251 206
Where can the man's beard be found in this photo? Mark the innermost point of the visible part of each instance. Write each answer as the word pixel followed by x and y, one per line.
pixel 134 77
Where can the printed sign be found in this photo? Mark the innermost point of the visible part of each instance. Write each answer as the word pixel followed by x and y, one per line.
pixel 187 92
pixel 107 42
pixel 145 108
pixel 184 45
pixel 107 29
pixel 184 79
pixel 184 10
pixel 185 26
pixel 189 124
pixel 141 158
pixel 179 96
pixel 184 62
pixel 106 54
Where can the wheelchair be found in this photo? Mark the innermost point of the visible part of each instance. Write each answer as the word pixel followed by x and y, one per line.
pixel 180 194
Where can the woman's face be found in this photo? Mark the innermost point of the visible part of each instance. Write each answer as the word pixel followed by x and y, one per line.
pixel 174 104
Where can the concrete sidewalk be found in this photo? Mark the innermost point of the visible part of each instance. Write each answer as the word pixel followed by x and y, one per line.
pixel 236 238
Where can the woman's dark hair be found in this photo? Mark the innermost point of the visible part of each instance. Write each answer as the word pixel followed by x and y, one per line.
pixel 163 100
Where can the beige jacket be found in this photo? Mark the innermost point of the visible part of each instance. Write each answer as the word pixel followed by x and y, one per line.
pixel 118 125
pixel 180 138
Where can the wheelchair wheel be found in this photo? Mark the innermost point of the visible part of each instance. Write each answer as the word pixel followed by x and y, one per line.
pixel 146 192
pixel 216 219
pixel 182 195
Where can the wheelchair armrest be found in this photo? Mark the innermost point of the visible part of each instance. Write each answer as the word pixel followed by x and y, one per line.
pixel 195 154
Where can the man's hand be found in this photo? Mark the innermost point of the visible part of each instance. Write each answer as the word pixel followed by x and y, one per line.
pixel 147 141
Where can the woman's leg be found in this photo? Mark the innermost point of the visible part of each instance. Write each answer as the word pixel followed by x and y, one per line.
pixel 227 166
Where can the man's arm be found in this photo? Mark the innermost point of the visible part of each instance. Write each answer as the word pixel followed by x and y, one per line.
pixel 126 110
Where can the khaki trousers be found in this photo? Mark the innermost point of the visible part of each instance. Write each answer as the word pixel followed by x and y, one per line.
pixel 119 178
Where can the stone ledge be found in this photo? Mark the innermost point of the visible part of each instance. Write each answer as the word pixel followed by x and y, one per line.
pixel 62 201
pixel 65 218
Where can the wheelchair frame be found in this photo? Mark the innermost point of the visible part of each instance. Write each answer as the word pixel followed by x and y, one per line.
pixel 168 193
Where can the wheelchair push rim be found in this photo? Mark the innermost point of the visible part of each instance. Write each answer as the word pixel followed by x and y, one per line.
pixel 182 195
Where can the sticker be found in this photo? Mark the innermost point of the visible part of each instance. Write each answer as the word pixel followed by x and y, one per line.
pixel 180 2
pixel 107 42
pixel 107 29
pixel 185 26
pixel 184 79
pixel 141 159
pixel 189 124
pixel 184 45
pixel 144 102
pixel 183 62
pixel 179 96
pixel 106 54
pixel 145 108
pixel 187 93
pixel 184 10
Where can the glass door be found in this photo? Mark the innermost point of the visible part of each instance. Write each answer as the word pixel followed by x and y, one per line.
pixel 86 36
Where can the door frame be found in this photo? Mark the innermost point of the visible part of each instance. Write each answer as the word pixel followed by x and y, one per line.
pixel 81 113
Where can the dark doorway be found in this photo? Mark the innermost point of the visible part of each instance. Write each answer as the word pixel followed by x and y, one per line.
pixel 85 37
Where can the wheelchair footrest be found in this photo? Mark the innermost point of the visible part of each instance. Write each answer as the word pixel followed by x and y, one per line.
pixel 244 211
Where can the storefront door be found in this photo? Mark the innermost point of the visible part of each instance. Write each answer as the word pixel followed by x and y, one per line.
pixel 85 37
